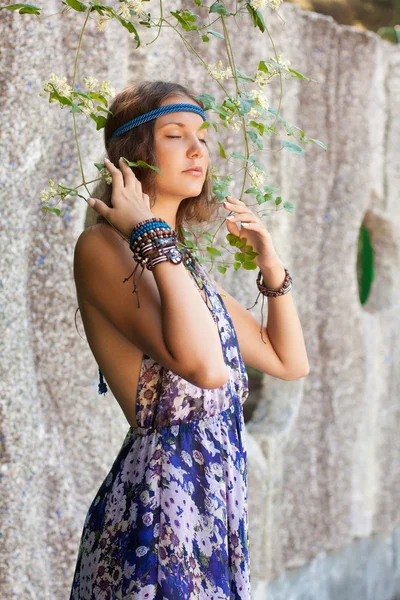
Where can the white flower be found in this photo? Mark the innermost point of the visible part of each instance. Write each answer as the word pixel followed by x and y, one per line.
pixel 60 85
pixel 187 458
pixel 147 518
pixel 274 4
pixel 257 176
pixel 91 83
pixel 123 11
pixel 216 469
pixel 142 550
pixel 101 22
pixel 87 106
pixel 218 72
pixel 260 99
pixel 106 88
pixel 46 195
pixel 147 593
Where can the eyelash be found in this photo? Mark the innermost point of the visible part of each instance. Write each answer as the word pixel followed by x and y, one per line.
pixel 178 137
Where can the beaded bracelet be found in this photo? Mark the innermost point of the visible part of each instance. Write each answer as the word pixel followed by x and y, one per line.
pixel 284 289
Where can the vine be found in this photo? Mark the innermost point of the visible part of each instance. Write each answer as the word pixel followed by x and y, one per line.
pixel 247 111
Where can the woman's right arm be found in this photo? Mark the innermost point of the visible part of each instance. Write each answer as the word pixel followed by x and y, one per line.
pixel 173 324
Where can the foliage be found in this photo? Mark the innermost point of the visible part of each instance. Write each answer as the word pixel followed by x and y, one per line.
pixel 247 112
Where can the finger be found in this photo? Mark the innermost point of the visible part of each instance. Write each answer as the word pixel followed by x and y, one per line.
pixel 253 226
pixel 235 201
pixel 235 207
pixel 233 228
pixel 246 217
pixel 129 175
pixel 99 206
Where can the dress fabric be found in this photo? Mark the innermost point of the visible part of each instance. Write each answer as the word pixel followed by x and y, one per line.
pixel 170 521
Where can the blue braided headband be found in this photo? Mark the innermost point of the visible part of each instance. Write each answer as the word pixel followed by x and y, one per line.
pixel 153 114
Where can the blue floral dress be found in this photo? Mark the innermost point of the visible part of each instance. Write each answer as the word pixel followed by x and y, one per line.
pixel 169 522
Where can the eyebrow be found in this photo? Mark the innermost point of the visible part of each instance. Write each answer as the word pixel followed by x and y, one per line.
pixel 175 123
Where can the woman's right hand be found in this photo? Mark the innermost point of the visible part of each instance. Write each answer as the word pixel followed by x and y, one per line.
pixel 130 204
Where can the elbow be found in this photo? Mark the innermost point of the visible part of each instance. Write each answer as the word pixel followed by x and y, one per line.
pixel 210 378
pixel 294 376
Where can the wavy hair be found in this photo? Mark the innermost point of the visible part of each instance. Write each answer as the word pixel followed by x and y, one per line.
pixel 139 144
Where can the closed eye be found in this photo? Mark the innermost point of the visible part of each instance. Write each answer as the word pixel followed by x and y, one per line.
pixel 178 137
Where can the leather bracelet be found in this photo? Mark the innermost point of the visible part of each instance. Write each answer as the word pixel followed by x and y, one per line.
pixel 284 289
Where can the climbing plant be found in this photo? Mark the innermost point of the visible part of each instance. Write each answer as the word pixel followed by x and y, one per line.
pixel 247 111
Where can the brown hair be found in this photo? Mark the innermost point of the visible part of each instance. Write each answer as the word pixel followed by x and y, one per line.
pixel 138 144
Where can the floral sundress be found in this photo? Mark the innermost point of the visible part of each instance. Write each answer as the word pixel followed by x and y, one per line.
pixel 170 521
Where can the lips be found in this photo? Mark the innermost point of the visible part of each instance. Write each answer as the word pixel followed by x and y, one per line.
pixel 194 169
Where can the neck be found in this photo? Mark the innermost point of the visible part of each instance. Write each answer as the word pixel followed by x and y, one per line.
pixel 166 209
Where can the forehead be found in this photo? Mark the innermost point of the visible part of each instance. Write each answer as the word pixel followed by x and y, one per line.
pixel 182 118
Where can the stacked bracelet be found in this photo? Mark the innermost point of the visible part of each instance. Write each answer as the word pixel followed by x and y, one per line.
pixel 152 241
pixel 284 289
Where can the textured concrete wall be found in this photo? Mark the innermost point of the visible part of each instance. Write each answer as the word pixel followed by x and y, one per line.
pixel 324 450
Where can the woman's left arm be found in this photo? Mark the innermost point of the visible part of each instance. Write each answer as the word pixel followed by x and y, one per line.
pixel 284 354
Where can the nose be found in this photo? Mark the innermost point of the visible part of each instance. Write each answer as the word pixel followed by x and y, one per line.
pixel 196 148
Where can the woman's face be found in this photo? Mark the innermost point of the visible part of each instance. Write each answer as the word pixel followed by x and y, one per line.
pixel 179 147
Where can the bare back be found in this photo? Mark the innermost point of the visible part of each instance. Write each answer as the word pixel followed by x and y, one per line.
pixel 119 358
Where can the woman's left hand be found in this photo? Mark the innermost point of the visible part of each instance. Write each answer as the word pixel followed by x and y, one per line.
pixel 255 232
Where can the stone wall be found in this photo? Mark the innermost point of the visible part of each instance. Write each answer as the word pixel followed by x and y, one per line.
pixel 324 450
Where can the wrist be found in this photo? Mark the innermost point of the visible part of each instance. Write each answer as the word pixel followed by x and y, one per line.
pixel 273 276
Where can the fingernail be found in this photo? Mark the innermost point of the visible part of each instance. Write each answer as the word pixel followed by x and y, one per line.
pixel 106 160
pixel 230 218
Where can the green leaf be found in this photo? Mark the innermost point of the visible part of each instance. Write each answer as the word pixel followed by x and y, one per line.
pixel 218 35
pixel 219 8
pixel 245 105
pixel 252 134
pixel 292 147
pixel 221 269
pixel 99 120
pixel 319 143
pixel 251 190
pixel 205 125
pixel 288 206
pixel 221 110
pixel 100 8
pixel 98 97
pixel 221 150
pixel 213 251
pixel 301 76
pixel 259 126
pixel 207 100
pixel 76 5
pixel 236 265
pixel 278 200
pixel 129 26
pixel 24 8
pixel 237 155
pixel 141 163
pixel 187 233
pixel 239 256
pixel 57 211
pixel 242 76
pixel 232 238
pixel 205 38
pixel 249 265
pixel 207 235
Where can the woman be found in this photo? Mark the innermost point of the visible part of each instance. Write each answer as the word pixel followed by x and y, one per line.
pixel 170 519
